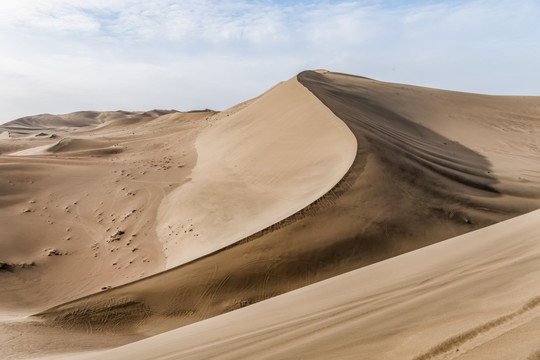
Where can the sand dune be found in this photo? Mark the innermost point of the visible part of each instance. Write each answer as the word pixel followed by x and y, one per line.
pixel 323 174
pixel 80 119
pixel 440 129
pixel 396 197
pixel 72 145
pixel 255 167
pixel 91 206
pixel 473 296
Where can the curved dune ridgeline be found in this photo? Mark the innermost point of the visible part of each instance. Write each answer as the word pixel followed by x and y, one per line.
pixel 321 175
pixel 256 164
pixel 260 163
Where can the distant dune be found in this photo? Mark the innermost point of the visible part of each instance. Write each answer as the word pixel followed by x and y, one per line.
pixel 138 223
pixel 75 120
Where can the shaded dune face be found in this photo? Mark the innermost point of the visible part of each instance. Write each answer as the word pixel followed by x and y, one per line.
pixel 484 142
pixel 258 165
pixel 408 187
pixel 425 157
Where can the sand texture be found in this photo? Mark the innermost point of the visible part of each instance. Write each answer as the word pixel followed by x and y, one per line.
pixel 472 296
pixel 334 216
pixel 258 165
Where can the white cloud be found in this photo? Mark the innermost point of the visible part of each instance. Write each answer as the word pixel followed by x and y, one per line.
pixel 65 55
pixel 50 16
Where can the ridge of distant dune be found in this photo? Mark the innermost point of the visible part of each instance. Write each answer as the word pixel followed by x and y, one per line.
pixel 79 119
pixel 49 121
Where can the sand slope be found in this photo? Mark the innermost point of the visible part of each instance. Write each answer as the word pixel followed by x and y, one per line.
pixel 485 142
pixel 256 166
pixel 473 296
pixel 90 195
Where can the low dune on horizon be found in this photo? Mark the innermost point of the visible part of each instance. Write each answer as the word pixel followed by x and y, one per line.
pixel 333 216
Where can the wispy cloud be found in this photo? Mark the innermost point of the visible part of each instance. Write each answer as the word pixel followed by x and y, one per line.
pixel 66 55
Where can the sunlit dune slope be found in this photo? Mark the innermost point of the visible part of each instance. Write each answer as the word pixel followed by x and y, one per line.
pixel 262 162
pixel 471 297
pixel 85 197
pixel 416 180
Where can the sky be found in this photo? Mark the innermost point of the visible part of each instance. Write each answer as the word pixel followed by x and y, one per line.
pixel 59 56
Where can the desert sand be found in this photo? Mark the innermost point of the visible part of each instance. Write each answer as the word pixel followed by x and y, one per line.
pixel 438 302
pixel 333 216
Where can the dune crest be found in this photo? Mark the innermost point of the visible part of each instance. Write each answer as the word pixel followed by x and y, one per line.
pixel 255 166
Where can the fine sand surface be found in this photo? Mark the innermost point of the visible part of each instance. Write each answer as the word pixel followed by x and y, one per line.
pixel 322 174
pixel 474 296
pixel 258 165
pixel 86 199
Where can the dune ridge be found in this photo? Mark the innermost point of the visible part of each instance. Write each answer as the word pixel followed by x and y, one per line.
pixel 253 164
pixel 166 316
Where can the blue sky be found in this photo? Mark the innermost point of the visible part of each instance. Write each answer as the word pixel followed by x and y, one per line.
pixel 59 56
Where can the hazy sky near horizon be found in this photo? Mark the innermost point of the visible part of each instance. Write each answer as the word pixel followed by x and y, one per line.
pixel 60 56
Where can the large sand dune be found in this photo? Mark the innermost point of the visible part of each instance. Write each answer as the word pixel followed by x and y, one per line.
pixel 475 296
pixel 261 163
pixel 323 174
